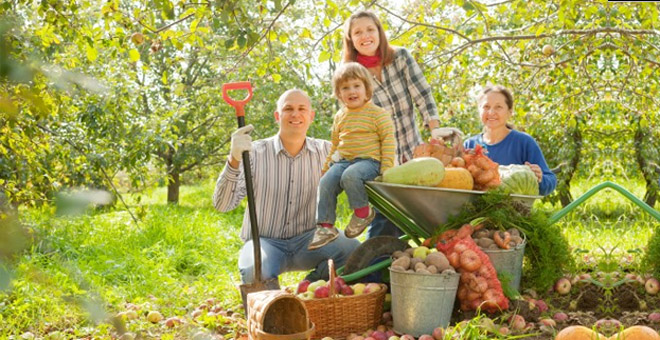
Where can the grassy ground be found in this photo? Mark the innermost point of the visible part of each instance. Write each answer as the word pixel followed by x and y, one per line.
pixel 81 269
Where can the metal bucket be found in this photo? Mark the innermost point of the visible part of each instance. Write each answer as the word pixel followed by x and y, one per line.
pixel 422 302
pixel 509 261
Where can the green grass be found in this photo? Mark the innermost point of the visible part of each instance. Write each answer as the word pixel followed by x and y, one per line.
pixel 80 269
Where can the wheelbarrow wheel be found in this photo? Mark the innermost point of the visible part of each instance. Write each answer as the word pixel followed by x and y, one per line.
pixel 372 249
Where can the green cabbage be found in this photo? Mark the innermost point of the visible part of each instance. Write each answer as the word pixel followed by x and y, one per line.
pixel 518 179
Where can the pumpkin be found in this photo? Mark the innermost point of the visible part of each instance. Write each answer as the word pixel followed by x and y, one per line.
pixel 457 178
pixel 518 179
pixel 423 171
pixel 636 333
pixel 630 333
pixel 579 333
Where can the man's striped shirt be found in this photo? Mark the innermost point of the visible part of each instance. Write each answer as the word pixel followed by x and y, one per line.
pixel 285 187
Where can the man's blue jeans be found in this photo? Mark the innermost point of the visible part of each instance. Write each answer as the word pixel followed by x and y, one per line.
pixel 279 256
pixel 348 176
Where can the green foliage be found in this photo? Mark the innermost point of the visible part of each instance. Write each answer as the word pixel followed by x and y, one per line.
pixel 652 255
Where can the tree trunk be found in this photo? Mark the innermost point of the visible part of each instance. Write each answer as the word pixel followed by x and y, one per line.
pixel 173 184
pixel 565 196
pixel 650 177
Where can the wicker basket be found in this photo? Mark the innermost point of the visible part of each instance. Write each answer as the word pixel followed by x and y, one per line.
pixel 277 315
pixel 338 316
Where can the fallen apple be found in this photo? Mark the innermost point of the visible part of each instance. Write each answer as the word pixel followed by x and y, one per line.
pixel 652 286
pixel 154 316
pixel 517 322
pixel 560 317
pixel 563 286
pixel 438 333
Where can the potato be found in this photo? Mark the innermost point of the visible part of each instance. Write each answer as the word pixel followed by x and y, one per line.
pixel 517 239
pixel 398 269
pixel 403 262
pixel 480 234
pixel 432 269
pixel 485 242
pixel 514 232
pixel 419 266
pixel 423 271
pixel 438 260
pixel 397 254
pixel 414 261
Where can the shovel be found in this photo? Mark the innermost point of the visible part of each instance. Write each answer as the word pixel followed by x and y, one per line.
pixel 257 284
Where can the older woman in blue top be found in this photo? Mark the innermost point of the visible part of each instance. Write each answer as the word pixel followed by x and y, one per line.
pixel 506 145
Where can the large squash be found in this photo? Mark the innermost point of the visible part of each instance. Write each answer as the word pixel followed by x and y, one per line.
pixel 579 333
pixel 457 178
pixel 423 171
pixel 636 333
pixel 518 179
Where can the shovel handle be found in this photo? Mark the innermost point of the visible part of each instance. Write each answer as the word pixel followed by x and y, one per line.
pixel 237 104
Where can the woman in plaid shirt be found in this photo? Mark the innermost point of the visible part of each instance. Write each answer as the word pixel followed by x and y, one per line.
pixel 399 86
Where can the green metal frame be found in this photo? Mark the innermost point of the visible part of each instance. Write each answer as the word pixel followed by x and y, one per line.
pixel 561 213
pixel 414 232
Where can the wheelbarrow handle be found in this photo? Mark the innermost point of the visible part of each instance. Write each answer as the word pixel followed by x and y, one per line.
pixel 237 104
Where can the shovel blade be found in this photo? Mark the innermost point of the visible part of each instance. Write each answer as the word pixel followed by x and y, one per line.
pixel 247 288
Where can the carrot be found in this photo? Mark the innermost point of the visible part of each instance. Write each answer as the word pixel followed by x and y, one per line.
pixel 502 239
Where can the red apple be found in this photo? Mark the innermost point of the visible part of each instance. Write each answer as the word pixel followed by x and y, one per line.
pixel 425 337
pixel 346 290
pixel 654 317
pixel 563 286
pixel 371 287
pixel 541 305
pixel 560 317
pixel 517 322
pixel 548 322
pixel 407 337
pixel 378 335
pixel 652 286
pixel 438 333
pixel 302 286
pixel 322 292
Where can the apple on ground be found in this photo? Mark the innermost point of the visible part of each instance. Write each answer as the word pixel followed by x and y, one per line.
pixel 379 335
pixel 425 337
pixel 563 286
pixel 154 316
pixel 438 333
pixel 517 322
pixel 652 286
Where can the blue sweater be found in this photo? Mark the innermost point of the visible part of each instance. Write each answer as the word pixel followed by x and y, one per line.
pixel 517 148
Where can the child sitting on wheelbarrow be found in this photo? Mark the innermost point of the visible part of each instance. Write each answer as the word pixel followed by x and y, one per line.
pixel 363 147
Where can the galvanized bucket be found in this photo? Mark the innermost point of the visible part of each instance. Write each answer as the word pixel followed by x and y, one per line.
pixel 422 302
pixel 509 261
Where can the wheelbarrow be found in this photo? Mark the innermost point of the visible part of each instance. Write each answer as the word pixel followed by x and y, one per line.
pixel 417 211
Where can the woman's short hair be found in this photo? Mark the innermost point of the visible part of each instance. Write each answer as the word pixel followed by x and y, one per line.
pixel 384 49
pixel 352 70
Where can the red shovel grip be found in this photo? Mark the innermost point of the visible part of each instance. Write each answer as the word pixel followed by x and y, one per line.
pixel 237 104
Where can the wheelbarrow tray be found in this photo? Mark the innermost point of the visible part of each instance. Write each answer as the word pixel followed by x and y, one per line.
pixel 419 210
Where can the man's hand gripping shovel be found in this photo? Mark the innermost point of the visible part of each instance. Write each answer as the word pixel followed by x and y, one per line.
pixel 257 283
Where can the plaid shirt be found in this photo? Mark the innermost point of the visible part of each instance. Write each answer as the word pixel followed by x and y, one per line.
pixel 285 187
pixel 404 84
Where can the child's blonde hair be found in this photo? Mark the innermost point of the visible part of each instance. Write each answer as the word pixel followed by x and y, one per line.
pixel 352 70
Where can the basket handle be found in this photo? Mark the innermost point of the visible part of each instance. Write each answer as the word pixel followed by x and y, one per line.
pixel 331 278
pixel 268 336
